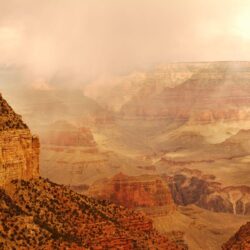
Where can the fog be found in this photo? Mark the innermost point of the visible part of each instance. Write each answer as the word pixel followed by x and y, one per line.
pixel 84 39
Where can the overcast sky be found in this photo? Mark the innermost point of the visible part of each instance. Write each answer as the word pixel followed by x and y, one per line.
pixel 93 37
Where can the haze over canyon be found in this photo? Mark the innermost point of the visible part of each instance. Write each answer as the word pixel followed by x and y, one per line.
pixel 125 125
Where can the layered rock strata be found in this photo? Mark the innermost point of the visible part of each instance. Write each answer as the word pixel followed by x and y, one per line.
pixel 146 191
pixel 19 149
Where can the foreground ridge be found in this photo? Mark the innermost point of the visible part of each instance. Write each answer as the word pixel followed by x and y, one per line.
pixel 40 214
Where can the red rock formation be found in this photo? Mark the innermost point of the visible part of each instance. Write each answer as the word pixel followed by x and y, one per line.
pixel 240 241
pixel 144 191
pixel 19 150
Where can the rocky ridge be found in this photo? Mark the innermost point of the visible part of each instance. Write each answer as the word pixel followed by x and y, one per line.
pixel 40 214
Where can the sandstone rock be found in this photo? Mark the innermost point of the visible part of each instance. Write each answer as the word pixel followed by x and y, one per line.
pixel 19 150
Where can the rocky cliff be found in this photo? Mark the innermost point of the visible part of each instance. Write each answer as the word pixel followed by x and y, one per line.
pixel 240 241
pixel 19 149
pixel 145 191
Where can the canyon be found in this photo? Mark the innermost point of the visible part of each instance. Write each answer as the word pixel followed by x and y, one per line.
pixel 37 213
pixel 171 141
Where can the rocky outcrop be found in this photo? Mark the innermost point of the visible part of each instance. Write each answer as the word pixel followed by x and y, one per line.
pixel 146 191
pixel 19 150
pixel 192 187
pixel 9 120
pixel 240 241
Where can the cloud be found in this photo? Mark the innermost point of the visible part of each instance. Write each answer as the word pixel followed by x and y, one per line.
pixel 92 37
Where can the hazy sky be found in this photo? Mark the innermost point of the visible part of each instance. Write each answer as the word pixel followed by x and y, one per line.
pixel 91 37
